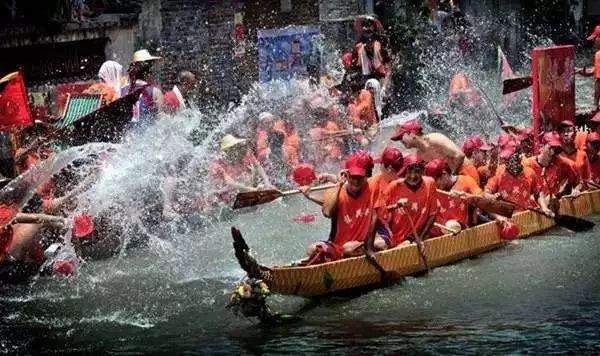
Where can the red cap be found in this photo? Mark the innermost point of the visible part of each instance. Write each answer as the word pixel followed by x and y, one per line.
pixel 347 60
pixel 436 168
pixel 83 226
pixel 593 137
pixel 391 156
pixel 475 143
pixel 596 118
pixel 411 126
pixel 510 231
pixel 413 159
pixel 552 138
pixel 526 134
pixel 595 34
pixel 304 174
pixel 508 146
pixel 359 163
pixel 566 123
pixel 504 140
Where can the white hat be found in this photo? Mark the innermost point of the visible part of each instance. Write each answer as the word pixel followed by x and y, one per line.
pixel 229 141
pixel 143 56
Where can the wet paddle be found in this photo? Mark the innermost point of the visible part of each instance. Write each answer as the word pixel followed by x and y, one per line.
pixel 247 199
pixel 569 222
pixel 512 85
pixel 486 204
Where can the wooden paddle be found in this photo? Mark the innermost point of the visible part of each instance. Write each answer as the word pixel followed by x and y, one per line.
pixel 569 222
pixel 246 199
pixel 486 204
pixel 515 84
pixel 447 229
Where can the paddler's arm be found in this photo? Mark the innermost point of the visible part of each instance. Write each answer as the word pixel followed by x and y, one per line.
pixel 544 201
pixel 306 192
pixel 369 247
pixel 331 201
pixel 229 181
pixel 456 161
pixel 426 228
pixel 263 174
pixel 44 219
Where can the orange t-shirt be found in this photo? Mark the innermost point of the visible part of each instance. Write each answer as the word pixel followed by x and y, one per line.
pixel 515 189
pixel 551 178
pixel 597 65
pixel 579 161
pixel 354 215
pixel 241 172
pixel 421 206
pixel 379 185
pixel 580 140
pixel 470 170
pixel 362 110
pixel 291 149
pixel 449 208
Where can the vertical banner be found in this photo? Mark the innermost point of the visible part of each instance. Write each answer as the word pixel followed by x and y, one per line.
pixel 285 52
pixel 553 90
pixel 14 105
pixel 239 35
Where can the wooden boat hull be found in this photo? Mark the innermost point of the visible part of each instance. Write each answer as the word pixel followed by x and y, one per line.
pixel 353 273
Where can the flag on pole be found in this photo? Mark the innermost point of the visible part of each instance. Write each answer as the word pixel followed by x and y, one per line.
pixel 506 72
pixel 14 106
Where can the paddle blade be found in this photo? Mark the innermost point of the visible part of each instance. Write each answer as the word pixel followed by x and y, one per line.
pixel 574 223
pixel 246 199
pixel 494 206
pixel 515 84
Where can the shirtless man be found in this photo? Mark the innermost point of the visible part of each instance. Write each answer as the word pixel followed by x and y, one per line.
pixel 430 146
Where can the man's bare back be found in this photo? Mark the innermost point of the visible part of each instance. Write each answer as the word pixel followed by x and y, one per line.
pixel 437 145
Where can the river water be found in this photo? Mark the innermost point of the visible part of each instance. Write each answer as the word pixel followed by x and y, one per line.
pixel 537 295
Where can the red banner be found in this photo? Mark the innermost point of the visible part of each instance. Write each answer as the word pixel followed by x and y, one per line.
pixel 552 71
pixel 14 107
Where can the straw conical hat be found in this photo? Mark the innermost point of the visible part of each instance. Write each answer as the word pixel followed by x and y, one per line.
pixel 229 141
pixel 143 56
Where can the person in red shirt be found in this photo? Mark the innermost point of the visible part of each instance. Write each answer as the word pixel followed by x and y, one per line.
pixel 452 212
pixel 593 150
pixel 410 204
pixel 556 174
pixel 595 70
pixel 578 157
pixel 352 208
pixel 515 183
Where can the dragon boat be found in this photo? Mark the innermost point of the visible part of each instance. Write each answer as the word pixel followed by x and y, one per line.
pixel 357 273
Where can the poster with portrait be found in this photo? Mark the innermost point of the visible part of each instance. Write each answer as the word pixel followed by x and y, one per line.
pixel 289 51
pixel 553 90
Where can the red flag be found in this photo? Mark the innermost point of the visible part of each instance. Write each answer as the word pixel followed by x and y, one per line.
pixel 14 107
pixel 506 73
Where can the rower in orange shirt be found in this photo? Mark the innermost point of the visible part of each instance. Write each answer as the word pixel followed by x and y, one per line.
pixel 593 150
pixel 452 212
pixel 515 183
pixel 578 157
pixel 477 151
pixel 411 203
pixel 391 161
pixel 556 174
pixel 352 208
